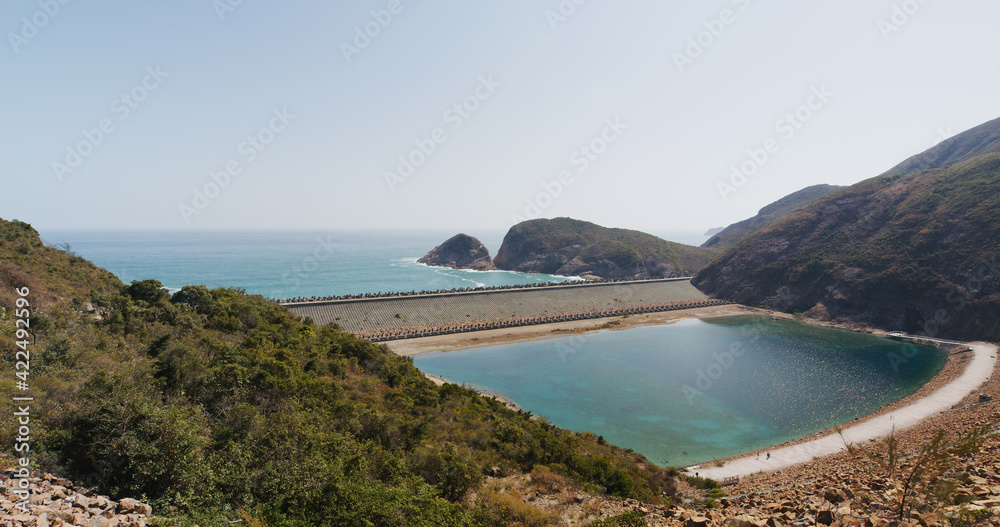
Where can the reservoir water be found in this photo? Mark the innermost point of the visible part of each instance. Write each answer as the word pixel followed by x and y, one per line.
pixel 697 390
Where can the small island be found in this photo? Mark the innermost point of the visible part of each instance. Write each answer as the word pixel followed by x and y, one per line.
pixel 461 251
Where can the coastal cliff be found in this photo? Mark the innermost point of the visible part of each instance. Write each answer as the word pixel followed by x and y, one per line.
pixel 461 251
pixel 569 247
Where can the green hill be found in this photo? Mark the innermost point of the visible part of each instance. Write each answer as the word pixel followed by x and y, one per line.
pixel 571 247
pixel 211 400
pixel 916 252
pixel 732 234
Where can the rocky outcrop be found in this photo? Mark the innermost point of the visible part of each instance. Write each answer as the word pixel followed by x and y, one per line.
pixel 460 252
pixel 53 502
pixel 568 247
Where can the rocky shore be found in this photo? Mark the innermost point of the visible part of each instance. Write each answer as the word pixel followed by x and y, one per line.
pixel 54 502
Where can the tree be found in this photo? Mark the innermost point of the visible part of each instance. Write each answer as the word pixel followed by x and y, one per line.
pixel 149 291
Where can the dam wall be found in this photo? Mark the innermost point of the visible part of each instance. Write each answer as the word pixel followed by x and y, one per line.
pixel 405 315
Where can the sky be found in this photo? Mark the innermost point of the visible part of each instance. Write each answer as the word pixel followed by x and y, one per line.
pixel 663 116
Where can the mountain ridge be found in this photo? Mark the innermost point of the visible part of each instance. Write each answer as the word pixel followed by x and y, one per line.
pixel 893 251
pixel 767 215
pixel 982 139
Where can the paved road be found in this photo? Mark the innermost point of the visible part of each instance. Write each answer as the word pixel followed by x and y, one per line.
pixel 975 374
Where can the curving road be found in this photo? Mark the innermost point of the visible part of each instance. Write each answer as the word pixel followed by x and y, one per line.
pixel 976 373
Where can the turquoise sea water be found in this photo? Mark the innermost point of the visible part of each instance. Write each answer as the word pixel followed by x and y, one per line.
pixel 284 264
pixel 696 390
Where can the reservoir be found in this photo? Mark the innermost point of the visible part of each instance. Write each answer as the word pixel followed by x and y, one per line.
pixel 697 389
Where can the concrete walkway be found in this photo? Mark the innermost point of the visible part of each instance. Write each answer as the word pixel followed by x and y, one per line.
pixel 975 374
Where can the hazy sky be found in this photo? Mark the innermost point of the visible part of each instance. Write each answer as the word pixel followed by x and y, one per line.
pixel 466 115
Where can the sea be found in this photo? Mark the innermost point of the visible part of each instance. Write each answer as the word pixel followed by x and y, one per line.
pixel 283 265
pixel 680 394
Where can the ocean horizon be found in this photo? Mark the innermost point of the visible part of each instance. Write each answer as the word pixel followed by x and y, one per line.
pixel 287 264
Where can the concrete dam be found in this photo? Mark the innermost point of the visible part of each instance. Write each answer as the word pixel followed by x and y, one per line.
pixel 399 317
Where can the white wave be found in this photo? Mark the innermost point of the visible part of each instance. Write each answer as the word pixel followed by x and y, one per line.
pixel 537 277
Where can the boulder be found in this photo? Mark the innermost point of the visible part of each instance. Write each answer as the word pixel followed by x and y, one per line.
pixel 698 521
pixel 131 506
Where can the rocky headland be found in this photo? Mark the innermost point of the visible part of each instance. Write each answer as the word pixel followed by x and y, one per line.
pixel 568 247
pixel 460 252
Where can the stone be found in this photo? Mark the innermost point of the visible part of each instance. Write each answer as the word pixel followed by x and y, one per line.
pixel 834 495
pixel 825 517
pixel 698 521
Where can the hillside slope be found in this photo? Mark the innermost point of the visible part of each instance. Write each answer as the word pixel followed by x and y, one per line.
pixel 211 400
pixel 732 234
pixel 983 139
pixel 916 252
pixel 571 247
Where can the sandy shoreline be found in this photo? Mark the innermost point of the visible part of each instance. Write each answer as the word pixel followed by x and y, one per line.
pixel 945 392
pixel 953 368
pixel 492 337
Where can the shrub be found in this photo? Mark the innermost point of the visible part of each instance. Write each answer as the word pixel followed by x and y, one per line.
pixel 702 483
pixel 507 508
pixel 546 481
